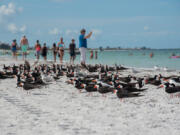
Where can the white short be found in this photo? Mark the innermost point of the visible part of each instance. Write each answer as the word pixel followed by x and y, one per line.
pixel 83 54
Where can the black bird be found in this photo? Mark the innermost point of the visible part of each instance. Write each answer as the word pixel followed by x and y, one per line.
pixel 172 89
pixel 122 93
pixel 28 86
pixel 104 89
pixel 90 87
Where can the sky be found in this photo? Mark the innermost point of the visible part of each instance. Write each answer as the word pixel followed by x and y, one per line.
pixel 114 23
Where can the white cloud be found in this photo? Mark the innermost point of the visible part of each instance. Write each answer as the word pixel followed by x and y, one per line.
pixel 54 31
pixel 14 29
pixel 6 10
pixel 71 32
pixel 23 28
pixel 68 32
pixel 96 32
pixel 146 27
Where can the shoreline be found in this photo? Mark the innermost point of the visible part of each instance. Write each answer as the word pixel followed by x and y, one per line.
pixel 155 68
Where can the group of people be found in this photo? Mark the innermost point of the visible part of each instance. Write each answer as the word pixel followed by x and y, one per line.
pixel 56 49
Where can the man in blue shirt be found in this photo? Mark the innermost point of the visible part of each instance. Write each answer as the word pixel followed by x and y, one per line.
pixel 83 45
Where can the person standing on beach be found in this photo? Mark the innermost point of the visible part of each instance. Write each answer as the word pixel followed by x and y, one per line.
pixel 24 46
pixel 38 49
pixel 72 48
pixel 92 54
pixel 83 45
pixel 44 52
pixel 96 54
pixel 14 47
pixel 54 49
pixel 61 50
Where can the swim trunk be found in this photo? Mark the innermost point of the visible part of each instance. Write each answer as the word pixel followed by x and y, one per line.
pixel 14 49
pixel 72 53
pixel 83 54
pixel 24 48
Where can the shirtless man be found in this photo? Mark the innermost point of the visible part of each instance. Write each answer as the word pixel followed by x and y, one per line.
pixel 24 46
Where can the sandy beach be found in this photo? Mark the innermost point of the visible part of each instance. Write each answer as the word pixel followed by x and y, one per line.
pixel 60 109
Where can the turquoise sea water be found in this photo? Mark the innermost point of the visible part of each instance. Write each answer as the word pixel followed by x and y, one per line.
pixel 132 58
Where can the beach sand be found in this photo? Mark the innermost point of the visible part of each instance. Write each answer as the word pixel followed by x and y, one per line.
pixel 59 109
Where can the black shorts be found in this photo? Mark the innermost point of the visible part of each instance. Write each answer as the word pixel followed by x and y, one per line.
pixel 72 54
pixel 44 54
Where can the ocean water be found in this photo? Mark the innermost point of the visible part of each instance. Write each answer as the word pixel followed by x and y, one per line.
pixel 130 58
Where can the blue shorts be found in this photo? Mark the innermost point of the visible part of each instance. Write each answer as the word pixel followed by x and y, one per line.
pixel 38 53
pixel 14 49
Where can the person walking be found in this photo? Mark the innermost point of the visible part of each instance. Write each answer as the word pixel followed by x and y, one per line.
pixel 83 45
pixel 38 49
pixel 44 52
pixel 24 46
pixel 61 47
pixel 72 48
pixel 54 49
pixel 14 47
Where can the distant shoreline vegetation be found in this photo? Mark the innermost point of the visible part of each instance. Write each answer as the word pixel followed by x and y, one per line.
pixel 5 46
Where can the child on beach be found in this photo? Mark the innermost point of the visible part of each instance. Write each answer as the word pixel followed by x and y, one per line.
pixel 96 54
pixel 91 55
pixel 44 52
pixel 38 49
pixel 72 48
pixel 54 49
pixel 61 50
pixel 151 55
pixel 14 49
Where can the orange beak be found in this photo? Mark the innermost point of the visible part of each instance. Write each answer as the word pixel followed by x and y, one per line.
pixel 82 85
pixel 166 80
pixel 94 81
pixel 146 81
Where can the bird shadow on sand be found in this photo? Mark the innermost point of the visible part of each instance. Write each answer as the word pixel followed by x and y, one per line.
pixel 38 94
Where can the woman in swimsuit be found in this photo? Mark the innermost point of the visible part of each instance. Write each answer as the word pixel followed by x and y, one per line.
pixel 54 51
pixel 61 49
pixel 38 49
pixel 44 52
pixel 14 49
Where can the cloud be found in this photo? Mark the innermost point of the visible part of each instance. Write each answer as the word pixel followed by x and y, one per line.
pixel 96 32
pixel 7 9
pixel 23 28
pixel 14 29
pixel 146 28
pixel 71 32
pixel 6 12
pixel 54 31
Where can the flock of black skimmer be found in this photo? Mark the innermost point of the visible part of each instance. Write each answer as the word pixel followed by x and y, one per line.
pixel 91 78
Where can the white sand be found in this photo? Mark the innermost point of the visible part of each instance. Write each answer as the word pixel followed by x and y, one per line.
pixel 60 109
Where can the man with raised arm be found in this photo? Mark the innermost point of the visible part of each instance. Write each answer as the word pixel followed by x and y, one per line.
pixel 83 45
